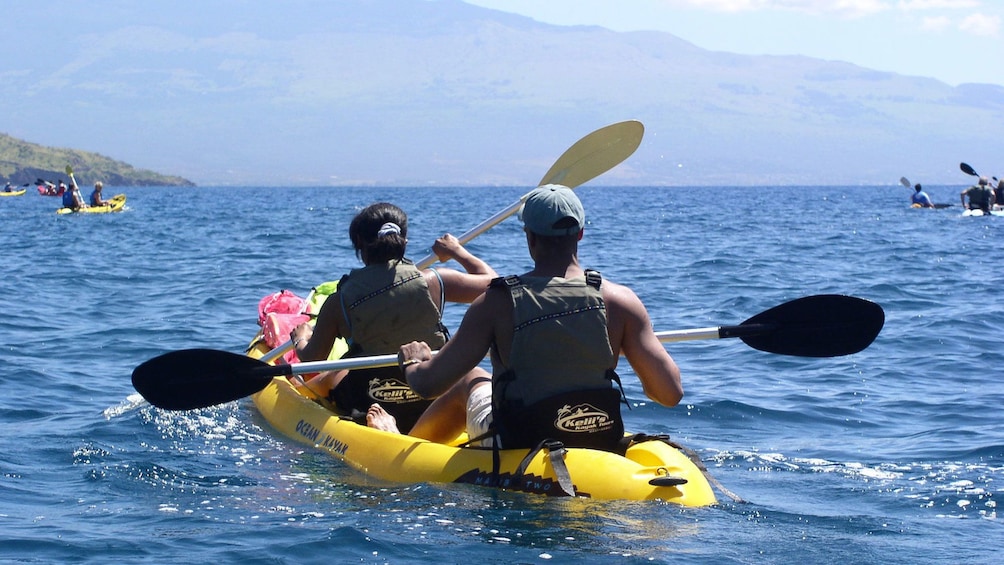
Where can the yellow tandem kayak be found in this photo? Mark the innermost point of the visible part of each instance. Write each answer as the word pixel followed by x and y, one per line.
pixel 650 470
pixel 117 203
pixel 653 468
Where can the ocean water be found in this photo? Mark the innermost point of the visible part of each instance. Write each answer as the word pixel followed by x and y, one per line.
pixel 893 455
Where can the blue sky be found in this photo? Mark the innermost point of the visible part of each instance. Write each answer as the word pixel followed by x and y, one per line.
pixel 955 41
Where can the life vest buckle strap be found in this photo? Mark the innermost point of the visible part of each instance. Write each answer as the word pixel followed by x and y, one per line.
pixel 556 455
pixel 508 281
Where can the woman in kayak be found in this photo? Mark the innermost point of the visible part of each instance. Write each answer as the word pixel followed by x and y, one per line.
pixel 387 302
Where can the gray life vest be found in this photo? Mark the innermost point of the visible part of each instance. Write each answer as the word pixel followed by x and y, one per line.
pixel 559 381
pixel 386 305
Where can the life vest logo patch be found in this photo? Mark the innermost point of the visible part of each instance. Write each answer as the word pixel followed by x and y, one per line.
pixel 392 391
pixel 583 418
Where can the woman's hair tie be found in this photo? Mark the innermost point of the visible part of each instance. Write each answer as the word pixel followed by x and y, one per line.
pixel 388 229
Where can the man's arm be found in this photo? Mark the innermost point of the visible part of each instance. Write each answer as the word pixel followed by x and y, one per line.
pixel 433 376
pixel 658 373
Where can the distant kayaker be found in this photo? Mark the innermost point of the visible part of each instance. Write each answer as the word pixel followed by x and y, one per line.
pixel 555 335
pixel 71 196
pixel 8 187
pixel 920 198
pixel 999 193
pixel 981 197
pixel 382 305
pixel 96 199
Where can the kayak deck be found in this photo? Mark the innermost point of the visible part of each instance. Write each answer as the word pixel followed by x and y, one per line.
pixel 648 471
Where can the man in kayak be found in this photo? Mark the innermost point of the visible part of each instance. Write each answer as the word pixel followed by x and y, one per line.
pixel 96 199
pixel 920 198
pixel 382 305
pixel 981 197
pixel 555 335
pixel 71 196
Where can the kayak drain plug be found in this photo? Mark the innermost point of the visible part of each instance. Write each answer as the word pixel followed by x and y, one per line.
pixel 667 481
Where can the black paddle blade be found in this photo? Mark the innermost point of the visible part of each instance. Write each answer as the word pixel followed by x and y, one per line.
pixel 826 325
pixel 967 169
pixel 198 378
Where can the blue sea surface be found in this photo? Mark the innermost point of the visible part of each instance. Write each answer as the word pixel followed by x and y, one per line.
pixel 892 455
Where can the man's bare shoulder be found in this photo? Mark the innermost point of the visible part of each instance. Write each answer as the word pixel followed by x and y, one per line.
pixel 489 314
pixel 624 309
pixel 618 294
pixel 496 299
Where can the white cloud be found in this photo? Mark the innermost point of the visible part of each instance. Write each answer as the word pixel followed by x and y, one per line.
pixel 938 23
pixel 979 24
pixel 839 7
pixel 910 5
pixel 848 8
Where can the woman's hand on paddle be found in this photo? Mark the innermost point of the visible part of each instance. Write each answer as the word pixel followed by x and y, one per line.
pixel 447 247
pixel 460 287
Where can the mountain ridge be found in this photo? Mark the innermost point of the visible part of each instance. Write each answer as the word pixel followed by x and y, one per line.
pixel 414 92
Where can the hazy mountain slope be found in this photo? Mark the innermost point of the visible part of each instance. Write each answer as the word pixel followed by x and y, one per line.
pixel 441 92
pixel 25 163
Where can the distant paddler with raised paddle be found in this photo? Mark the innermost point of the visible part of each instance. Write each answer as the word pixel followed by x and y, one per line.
pixel 71 197
pixel 919 198
pixel 981 195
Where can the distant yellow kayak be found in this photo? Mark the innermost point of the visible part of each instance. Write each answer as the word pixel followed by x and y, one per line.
pixel 14 193
pixel 117 203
